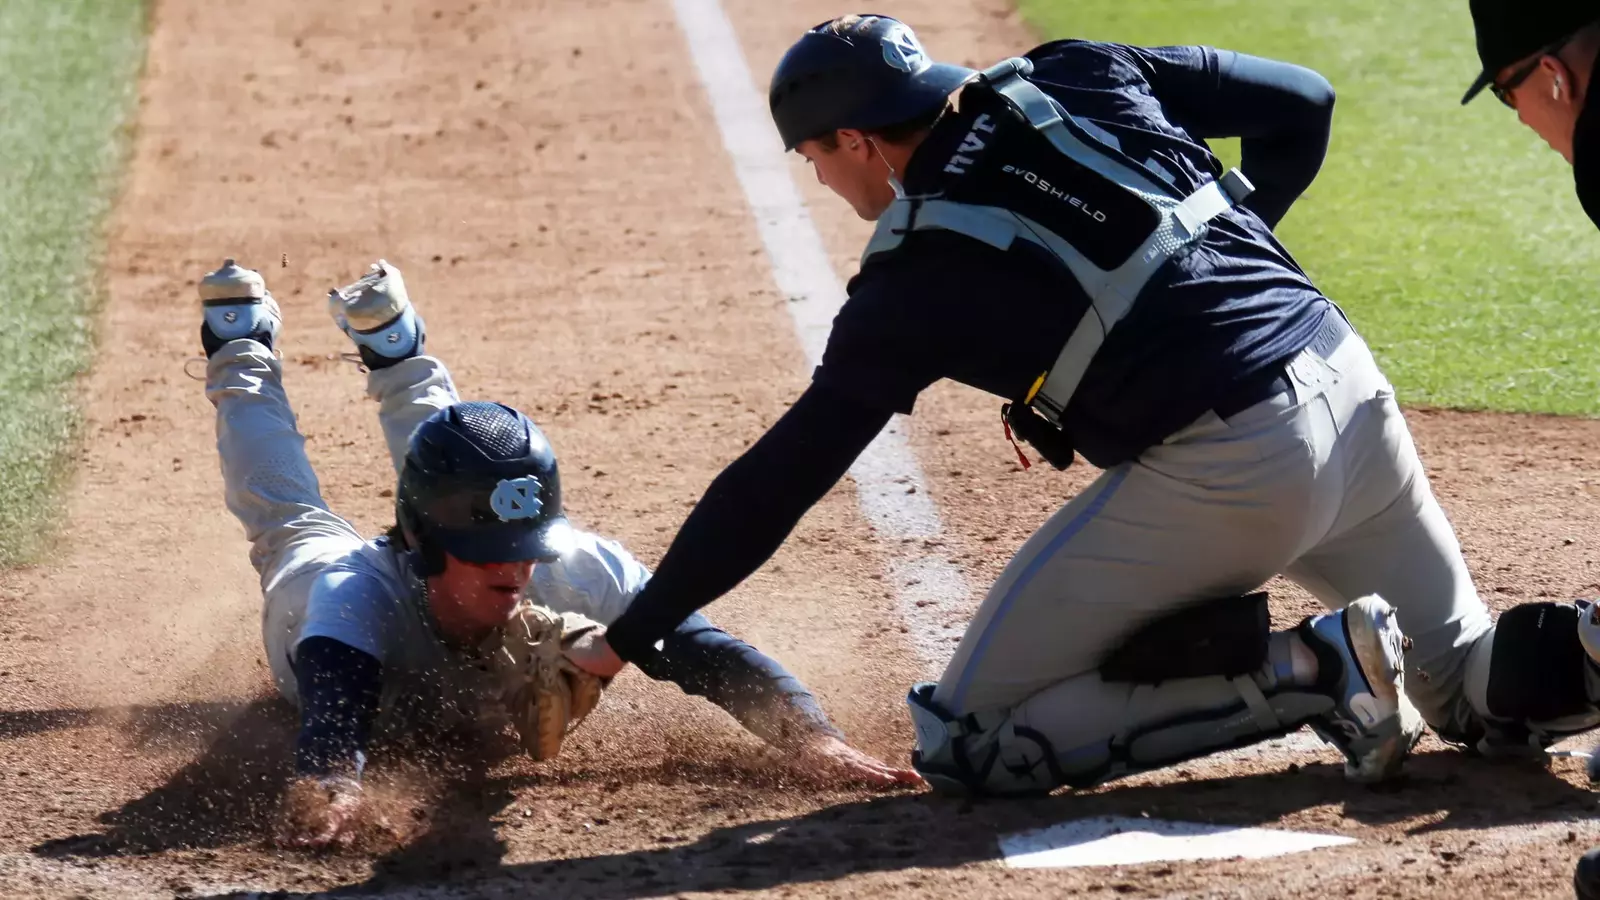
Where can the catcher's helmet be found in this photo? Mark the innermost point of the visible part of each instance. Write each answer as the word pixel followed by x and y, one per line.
pixel 857 72
pixel 480 482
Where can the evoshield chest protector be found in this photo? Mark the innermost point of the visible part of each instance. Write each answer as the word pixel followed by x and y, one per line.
pixel 1110 221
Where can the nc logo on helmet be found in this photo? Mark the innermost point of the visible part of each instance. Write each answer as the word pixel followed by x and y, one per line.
pixel 901 50
pixel 516 498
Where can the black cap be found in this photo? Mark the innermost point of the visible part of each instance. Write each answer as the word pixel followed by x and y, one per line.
pixel 864 74
pixel 1509 30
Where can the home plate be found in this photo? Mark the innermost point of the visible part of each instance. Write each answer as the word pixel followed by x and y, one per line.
pixel 1121 841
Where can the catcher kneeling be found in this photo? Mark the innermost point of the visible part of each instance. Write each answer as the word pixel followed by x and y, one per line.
pixel 461 612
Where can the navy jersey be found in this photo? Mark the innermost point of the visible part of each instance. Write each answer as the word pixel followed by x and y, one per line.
pixel 944 305
pixel 951 307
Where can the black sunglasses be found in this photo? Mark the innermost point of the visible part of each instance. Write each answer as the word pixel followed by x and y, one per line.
pixel 1502 89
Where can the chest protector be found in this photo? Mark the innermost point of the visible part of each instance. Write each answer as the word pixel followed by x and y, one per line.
pixel 1029 171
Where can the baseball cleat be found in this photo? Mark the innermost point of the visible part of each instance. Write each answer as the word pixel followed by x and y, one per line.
pixel 378 316
pixel 235 304
pixel 1360 656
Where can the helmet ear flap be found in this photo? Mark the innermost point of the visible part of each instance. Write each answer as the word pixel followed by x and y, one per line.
pixel 429 558
pixel 430 561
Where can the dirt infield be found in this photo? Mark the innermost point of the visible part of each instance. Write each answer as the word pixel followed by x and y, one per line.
pixel 548 175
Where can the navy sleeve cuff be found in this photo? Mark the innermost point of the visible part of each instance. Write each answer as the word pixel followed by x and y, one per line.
pixel 754 688
pixel 340 688
pixel 635 634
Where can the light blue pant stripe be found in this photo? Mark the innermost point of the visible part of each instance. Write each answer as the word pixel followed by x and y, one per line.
pixel 1113 481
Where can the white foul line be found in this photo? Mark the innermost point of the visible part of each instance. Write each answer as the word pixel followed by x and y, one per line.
pixel 930 591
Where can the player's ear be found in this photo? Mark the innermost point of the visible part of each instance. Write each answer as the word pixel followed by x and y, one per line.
pixel 851 140
pixel 1563 82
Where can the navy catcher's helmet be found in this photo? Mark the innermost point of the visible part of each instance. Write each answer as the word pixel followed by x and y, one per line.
pixel 857 72
pixel 480 482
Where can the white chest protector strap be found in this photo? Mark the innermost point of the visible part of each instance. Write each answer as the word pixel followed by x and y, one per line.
pixel 1111 292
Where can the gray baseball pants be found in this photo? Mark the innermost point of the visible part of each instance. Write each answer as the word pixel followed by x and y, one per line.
pixel 1322 485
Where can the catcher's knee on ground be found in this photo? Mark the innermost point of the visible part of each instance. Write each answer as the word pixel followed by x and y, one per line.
pixel 1180 688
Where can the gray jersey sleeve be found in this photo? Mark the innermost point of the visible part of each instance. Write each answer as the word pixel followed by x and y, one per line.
pixel 354 609
pixel 597 578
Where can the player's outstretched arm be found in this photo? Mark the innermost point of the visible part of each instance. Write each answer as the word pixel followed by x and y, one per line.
pixel 766 699
pixel 726 538
pixel 339 690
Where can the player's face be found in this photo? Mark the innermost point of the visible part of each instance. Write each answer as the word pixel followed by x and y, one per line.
pixel 478 594
pixel 853 170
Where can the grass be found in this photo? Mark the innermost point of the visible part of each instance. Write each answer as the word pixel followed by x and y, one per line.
pixel 68 78
pixel 1451 235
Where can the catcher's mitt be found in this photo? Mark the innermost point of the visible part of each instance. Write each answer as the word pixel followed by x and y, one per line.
pixel 544 693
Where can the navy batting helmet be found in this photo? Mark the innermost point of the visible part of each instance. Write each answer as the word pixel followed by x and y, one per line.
pixel 480 482
pixel 860 72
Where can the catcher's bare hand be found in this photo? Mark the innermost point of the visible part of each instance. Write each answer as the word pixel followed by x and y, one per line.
pixel 591 653
pixel 831 762
pixel 319 813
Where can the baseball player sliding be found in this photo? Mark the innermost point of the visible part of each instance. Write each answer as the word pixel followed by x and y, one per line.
pixel 1055 231
pixel 456 616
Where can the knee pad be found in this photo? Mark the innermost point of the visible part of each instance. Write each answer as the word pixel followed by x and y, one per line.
pixel 1226 636
pixel 1541 685
pixel 979 754
pixel 991 754
pixel 1538 666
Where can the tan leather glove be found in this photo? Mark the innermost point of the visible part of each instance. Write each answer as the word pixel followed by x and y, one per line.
pixel 544 693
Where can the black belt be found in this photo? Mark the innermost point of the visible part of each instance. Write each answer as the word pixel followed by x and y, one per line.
pixel 1274 380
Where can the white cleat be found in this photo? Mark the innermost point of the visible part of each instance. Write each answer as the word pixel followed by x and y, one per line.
pixel 1361 657
pixel 235 304
pixel 377 314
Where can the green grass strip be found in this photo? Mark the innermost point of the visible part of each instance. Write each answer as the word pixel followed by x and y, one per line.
pixel 1450 234
pixel 68 87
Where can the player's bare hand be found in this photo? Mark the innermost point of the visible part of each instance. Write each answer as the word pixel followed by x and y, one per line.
pixel 319 813
pixel 591 653
pixel 829 761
